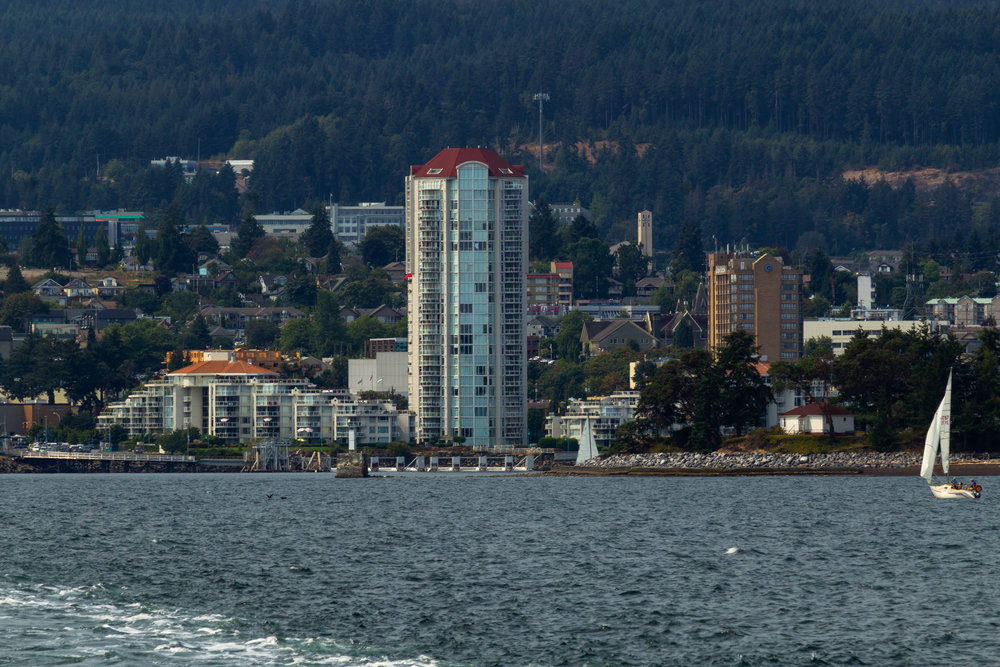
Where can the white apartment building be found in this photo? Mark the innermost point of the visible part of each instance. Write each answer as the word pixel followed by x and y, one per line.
pixel 387 372
pixel 239 402
pixel 606 414
pixel 842 330
pixel 466 251
pixel 351 223
pixel 285 225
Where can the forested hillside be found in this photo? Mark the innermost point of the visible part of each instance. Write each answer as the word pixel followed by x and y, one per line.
pixel 740 115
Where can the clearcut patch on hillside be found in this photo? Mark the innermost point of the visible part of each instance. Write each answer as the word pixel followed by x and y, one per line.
pixel 984 181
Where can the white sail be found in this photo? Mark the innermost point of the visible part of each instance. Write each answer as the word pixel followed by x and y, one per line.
pixel 944 425
pixel 938 436
pixel 588 446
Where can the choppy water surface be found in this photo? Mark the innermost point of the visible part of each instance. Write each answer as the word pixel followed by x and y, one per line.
pixel 448 570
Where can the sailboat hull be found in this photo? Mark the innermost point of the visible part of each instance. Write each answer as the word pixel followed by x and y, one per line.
pixel 946 491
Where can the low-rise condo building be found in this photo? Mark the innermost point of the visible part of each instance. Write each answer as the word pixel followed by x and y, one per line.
pixel 606 415
pixel 237 402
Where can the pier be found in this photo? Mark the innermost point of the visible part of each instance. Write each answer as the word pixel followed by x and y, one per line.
pixel 274 457
pixel 443 464
pixel 100 461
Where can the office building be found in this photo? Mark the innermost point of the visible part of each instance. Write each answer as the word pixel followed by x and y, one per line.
pixel 466 253
pixel 565 214
pixel 285 225
pixel 350 224
pixel 756 293
pixel 841 331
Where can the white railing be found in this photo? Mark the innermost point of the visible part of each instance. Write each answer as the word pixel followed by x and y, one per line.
pixel 105 456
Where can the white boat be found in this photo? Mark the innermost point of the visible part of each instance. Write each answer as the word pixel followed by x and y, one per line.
pixel 939 439
pixel 588 444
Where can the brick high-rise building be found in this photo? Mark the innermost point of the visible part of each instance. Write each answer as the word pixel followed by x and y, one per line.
pixel 758 294
pixel 466 253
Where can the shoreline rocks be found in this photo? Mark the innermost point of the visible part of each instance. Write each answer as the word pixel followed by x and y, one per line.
pixel 693 463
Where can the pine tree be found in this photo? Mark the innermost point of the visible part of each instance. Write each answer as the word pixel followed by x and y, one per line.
pixel 201 240
pixel 198 336
pixel 15 283
pixel 333 262
pixel 689 254
pixel 103 249
pixel 318 237
pixel 543 238
pixel 143 248
pixel 50 248
pixel 81 248
pixel 247 233
pixel 172 254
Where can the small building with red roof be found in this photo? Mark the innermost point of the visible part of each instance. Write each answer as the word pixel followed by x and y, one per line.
pixel 816 417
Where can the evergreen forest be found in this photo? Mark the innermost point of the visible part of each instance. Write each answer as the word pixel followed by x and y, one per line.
pixel 737 117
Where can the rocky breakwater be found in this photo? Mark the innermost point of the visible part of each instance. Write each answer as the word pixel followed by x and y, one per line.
pixel 8 465
pixel 770 463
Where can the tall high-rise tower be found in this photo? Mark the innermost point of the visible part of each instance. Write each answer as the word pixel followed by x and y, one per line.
pixel 466 253
pixel 646 232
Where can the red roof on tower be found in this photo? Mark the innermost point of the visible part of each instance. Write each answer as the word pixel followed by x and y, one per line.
pixel 445 164
pixel 222 368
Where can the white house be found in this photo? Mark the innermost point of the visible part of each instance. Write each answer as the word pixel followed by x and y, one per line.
pixel 809 418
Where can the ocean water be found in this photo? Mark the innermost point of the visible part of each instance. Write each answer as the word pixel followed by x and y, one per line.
pixel 442 569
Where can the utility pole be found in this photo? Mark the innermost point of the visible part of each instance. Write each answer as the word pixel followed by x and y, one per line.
pixel 541 98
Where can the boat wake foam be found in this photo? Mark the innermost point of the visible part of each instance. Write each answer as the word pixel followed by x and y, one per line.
pixel 86 623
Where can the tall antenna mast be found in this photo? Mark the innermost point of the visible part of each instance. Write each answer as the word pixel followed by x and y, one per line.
pixel 541 98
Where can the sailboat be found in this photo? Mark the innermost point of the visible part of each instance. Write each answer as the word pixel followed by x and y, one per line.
pixel 588 445
pixel 939 438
